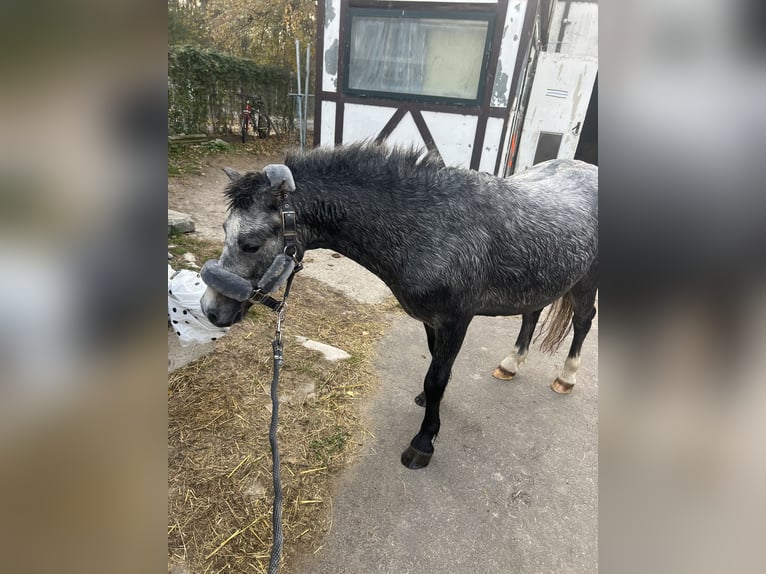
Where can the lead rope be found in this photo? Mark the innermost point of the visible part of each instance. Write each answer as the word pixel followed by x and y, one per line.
pixel 276 515
pixel 289 234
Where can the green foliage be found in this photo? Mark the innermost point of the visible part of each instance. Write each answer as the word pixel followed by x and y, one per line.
pixel 186 22
pixel 262 29
pixel 207 90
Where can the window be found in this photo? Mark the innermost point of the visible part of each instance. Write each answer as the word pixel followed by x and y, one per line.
pixel 548 144
pixel 416 54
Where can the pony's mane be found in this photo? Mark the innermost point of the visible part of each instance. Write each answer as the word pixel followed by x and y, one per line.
pixel 240 192
pixel 354 162
pixel 359 161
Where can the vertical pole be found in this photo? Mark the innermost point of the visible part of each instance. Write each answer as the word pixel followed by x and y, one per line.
pixel 298 74
pixel 306 97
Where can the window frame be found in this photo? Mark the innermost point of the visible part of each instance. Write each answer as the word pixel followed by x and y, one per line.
pixel 420 13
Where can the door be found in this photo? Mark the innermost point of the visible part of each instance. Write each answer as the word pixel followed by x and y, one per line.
pixel 558 102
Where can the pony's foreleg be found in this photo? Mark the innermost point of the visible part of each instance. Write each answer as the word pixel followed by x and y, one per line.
pixel 420 400
pixel 446 344
pixel 510 365
pixel 565 382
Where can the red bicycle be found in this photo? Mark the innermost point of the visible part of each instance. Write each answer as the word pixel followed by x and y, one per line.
pixel 252 116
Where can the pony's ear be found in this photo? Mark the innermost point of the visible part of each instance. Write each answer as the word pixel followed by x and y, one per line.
pixel 280 178
pixel 234 175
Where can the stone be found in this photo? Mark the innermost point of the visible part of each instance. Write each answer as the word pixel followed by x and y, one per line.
pixel 331 354
pixel 179 222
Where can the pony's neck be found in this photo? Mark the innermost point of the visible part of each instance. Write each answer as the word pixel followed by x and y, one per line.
pixel 328 221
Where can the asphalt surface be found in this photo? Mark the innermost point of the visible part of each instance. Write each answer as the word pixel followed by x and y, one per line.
pixel 512 487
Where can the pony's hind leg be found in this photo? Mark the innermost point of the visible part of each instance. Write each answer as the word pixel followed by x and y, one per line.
pixel 583 296
pixel 565 382
pixel 510 365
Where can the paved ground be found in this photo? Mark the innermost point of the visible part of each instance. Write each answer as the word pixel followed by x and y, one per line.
pixel 344 275
pixel 512 487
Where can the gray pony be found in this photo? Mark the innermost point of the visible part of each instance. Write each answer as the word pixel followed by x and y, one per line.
pixel 450 244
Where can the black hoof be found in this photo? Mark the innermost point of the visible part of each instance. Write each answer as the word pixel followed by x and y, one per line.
pixel 414 459
pixel 420 400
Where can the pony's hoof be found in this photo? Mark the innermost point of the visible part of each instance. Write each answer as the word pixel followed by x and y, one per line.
pixel 503 374
pixel 414 459
pixel 562 387
pixel 420 400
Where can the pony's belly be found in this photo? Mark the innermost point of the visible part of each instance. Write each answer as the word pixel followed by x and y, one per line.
pixel 439 296
pixel 512 307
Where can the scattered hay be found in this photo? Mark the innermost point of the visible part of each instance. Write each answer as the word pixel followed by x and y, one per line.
pixel 219 461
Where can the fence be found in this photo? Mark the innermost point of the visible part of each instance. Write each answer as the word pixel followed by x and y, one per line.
pixel 207 89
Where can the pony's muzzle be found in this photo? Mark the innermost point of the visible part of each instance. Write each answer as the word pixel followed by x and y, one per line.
pixel 226 298
pixel 237 288
pixel 213 317
pixel 222 311
pixel 225 282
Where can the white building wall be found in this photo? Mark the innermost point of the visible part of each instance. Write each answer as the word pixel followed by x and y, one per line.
pixel 491 145
pixel 327 132
pixel 331 46
pixel 364 122
pixel 580 29
pixel 406 134
pixel 514 21
pixel 453 135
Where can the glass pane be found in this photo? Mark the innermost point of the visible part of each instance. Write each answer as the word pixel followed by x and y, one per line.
pixel 419 56
pixel 548 144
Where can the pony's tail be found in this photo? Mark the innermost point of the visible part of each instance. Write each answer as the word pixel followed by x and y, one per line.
pixel 557 324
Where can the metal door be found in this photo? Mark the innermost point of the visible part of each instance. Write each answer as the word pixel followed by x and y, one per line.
pixel 557 106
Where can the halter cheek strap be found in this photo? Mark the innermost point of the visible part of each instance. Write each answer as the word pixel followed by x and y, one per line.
pixel 280 177
pixel 289 229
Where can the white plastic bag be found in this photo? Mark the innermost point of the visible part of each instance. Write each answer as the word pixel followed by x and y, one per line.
pixel 185 288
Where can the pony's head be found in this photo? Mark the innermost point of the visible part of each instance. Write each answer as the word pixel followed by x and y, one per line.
pixel 254 235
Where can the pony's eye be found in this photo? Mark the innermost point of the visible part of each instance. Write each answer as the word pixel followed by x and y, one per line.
pixel 249 247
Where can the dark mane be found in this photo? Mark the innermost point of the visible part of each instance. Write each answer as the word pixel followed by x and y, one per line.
pixel 240 192
pixel 357 163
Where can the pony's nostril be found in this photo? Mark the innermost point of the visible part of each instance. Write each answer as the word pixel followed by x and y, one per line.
pixel 212 317
pixel 237 317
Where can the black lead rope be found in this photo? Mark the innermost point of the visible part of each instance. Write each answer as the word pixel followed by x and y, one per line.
pixel 289 235
pixel 276 516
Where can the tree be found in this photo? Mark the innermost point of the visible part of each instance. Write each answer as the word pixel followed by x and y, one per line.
pixel 262 30
pixel 186 22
